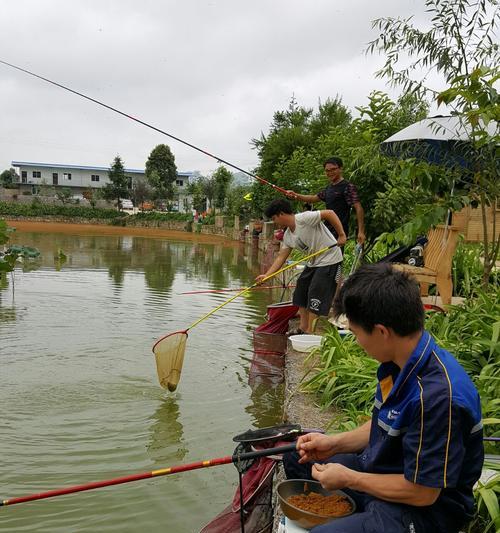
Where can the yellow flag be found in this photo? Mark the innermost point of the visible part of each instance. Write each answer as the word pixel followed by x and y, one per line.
pixel 248 197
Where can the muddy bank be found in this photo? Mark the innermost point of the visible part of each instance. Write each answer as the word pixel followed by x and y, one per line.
pixel 300 408
pixel 102 229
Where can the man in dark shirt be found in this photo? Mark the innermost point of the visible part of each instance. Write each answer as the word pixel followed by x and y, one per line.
pixel 339 196
pixel 412 467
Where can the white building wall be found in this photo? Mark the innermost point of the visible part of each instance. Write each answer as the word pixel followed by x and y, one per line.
pixel 81 178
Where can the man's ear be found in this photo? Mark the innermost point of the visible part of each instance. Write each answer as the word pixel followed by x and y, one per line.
pixel 384 331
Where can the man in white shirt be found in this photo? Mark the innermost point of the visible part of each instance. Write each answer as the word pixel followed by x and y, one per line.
pixel 305 231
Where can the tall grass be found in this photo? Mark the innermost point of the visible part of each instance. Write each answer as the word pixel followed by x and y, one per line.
pixel 342 376
pixel 471 332
pixel 467 270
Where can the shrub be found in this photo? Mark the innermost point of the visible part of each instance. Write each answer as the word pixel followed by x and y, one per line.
pixel 38 209
pixel 155 216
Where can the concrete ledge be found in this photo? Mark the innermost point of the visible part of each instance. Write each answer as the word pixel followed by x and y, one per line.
pixel 298 408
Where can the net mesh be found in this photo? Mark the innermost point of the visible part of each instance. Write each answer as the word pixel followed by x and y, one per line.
pixel 269 345
pixel 169 355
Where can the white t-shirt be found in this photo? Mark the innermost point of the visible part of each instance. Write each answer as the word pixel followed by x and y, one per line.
pixel 311 235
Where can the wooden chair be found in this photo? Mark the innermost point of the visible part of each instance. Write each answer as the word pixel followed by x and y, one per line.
pixel 438 258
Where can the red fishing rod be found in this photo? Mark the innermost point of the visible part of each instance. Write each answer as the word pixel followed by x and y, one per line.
pixel 262 180
pixel 235 458
pixel 212 291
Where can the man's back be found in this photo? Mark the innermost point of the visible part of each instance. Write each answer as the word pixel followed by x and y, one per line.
pixel 429 428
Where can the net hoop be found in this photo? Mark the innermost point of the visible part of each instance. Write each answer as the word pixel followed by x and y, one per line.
pixel 169 354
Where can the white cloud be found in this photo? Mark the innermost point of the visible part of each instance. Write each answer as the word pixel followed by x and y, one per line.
pixel 211 72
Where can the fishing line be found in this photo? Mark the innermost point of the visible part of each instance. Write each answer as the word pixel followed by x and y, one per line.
pixel 218 159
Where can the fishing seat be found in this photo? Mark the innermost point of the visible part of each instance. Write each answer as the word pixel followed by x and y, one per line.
pixel 438 259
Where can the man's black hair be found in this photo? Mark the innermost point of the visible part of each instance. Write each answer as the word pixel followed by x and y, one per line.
pixel 380 294
pixel 334 161
pixel 280 205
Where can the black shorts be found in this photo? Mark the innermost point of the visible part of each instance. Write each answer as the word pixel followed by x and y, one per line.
pixel 316 288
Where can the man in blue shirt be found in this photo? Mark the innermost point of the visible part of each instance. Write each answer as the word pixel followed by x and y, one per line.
pixel 411 468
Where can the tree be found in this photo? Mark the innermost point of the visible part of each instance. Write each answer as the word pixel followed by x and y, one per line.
pixel 161 172
pixel 208 188
pixel 119 184
pixel 63 194
pixel 222 179
pixel 357 143
pixel 461 46
pixel 195 189
pixel 141 191
pixel 8 177
pixel 292 129
pixel 237 204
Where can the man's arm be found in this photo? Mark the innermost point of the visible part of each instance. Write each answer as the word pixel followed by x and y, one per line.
pixel 277 264
pixel 309 198
pixel 334 220
pixel 317 446
pixel 360 218
pixel 389 487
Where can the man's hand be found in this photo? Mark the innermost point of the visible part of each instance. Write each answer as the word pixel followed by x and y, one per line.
pixel 333 476
pixel 259 279
pixel 341 239
pixel 291 194
pixel 315 447
pixel 361 237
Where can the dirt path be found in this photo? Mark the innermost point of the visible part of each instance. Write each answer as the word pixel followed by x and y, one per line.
pixel 98 229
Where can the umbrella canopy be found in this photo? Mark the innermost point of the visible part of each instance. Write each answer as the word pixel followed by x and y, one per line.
pixel 441 140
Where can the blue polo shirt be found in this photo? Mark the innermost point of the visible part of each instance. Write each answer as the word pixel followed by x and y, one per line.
pixel 426 425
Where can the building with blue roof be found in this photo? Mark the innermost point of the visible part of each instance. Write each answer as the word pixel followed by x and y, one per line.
pixel 79 178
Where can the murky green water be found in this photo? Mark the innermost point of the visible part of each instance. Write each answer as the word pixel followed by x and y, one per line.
pixel 79 391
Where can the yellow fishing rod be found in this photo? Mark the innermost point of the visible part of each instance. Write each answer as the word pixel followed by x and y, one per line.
pixel 169 350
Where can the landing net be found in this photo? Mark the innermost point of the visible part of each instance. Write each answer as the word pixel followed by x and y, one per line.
pixel 169 354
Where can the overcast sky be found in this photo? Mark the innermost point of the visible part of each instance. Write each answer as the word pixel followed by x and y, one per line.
pixel 211 72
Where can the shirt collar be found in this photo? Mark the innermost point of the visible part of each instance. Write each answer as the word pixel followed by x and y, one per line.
pixel 418 358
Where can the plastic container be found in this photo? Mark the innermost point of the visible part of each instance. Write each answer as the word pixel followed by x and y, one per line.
pixel 303 343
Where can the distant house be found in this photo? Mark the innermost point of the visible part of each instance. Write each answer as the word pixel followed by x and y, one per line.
pixel 31 176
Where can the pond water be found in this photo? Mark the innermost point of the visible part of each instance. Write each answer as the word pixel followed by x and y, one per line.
pixel 80 396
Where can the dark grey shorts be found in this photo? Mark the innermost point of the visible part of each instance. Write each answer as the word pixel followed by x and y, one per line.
pixel 316 288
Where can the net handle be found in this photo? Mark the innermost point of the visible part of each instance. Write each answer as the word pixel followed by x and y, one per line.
pixel 287 267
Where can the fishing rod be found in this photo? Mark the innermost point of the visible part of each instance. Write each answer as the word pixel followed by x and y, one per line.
pixel 220 160
pixel 169 350
pixel 235 458
pixel 212 291
pixel 257 283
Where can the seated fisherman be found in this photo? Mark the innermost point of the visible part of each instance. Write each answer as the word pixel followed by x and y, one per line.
pixel 316 285
pixel 412 467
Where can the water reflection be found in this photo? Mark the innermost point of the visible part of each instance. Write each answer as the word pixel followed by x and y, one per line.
pixel 266 403
pixel 217 265
pixel 76 339
pixel 7 314
pixel 167 433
